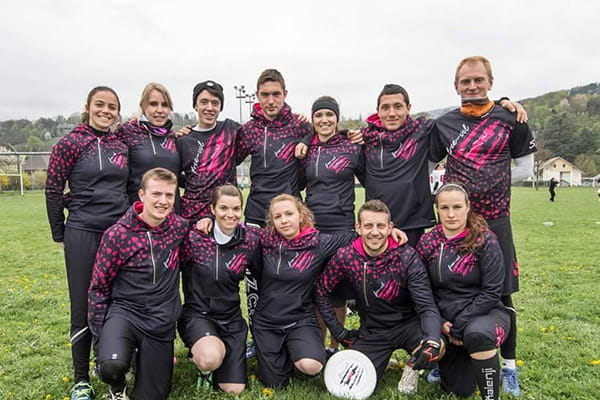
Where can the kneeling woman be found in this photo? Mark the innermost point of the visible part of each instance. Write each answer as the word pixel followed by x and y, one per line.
pixel 465 266
pixel 285 327
pixel 213 265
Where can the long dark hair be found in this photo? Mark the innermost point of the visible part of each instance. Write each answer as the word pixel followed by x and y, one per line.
pixel 476 225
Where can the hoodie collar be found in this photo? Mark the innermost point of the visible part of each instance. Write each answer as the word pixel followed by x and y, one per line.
pixel 133 220
pixel 454 240
pixel 282 119
pixel 360 248
pixel 375 121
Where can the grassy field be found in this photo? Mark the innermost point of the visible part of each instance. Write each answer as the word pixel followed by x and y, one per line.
pixel 559 307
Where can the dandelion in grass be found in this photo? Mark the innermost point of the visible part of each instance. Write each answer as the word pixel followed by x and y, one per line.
pixel 543 329
pixel 520 363
pixel 65 379
pixel 48 396
pixel 268 393
pixel 552 328
pixel 595 362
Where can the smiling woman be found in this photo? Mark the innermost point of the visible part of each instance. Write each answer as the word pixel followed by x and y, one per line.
pixel 94 164
pixel 149 138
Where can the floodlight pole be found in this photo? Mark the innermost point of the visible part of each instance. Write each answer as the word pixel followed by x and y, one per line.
pixel 240 93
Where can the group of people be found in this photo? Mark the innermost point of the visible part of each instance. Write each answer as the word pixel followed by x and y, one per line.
pixel 128 234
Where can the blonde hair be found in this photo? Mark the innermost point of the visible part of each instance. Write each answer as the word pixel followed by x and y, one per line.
pixel 146 94
pixel 307 220
pixel 472 60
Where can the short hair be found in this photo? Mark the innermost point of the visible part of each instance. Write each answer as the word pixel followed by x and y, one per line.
pixel 85 116
pixel 225 190
pixel 307 220
pixel 374 206
pixel 270 75
pixel 472 60
pixel 160 174
pixel 159 88
pixel 392 88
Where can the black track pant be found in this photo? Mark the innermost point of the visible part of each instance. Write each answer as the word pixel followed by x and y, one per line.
pixel 154 359
pixel 80 253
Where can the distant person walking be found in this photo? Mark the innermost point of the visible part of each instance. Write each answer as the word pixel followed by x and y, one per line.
pixel 551 189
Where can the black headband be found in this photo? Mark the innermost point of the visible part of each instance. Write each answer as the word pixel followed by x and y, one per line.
pixel 326 104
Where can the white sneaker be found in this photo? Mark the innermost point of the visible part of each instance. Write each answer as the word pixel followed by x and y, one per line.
pixel 122 395
pixel 409 382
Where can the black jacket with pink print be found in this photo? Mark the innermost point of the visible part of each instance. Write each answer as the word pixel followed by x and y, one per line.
pixel 94 164
pixel 390 289
pixel 149 147
pixel 397 170
pixel 289 270
pixel 464 285
pixel 330 168
pixel 274 169
pixel 136 274
pixel 211 273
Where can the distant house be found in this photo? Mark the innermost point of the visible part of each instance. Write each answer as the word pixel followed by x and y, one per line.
pixel 36 163
pixel 596 180
pixel 562 170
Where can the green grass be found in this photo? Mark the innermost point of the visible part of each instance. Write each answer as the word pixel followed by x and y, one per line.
pixel 559 306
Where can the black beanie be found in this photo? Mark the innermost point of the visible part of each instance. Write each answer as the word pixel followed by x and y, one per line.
pixel 327 104
pixel 213 87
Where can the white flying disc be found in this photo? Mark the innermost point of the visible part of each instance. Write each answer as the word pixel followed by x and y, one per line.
pixel 350 374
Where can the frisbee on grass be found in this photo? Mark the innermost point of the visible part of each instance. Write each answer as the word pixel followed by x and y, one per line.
pixel 350 374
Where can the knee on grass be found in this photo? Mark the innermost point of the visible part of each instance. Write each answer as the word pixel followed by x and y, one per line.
pixel 308 366
pixel 232 388
pixel 208 353
pixel 113 371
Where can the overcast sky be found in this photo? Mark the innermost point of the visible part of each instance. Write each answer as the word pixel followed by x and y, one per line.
pixel 53 52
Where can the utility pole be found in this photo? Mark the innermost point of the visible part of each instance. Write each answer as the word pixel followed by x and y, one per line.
pixel 240 93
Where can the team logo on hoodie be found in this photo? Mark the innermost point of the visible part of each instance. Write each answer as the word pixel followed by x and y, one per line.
pixel 463 264
pixel 301 261
pixel 387 289
pixel 406 150
pixel 237 263
pixel 118 159
pixel 500 334
pixel 286 152
pixel 172 259
pixel 168 144
pixel 337 164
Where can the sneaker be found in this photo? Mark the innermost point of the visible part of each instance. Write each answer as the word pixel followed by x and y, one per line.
pixel 204 381
pixel 82 390
pixel 250 350
pixel 409 382
pixel 121 395
pixel 510 382
pixel 434 376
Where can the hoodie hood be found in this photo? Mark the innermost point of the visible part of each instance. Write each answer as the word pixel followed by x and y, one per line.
pixel 438 231
pixel 132 220
pixel 284 117
pixel 307 238
pixel 360 248
pixel 374 121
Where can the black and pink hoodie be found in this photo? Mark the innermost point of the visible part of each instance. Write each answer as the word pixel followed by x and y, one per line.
pixel 479 154
pixel 289 270
pixel 136 274
pixel 208 160
pixel 330 168
pixel 464 285
pixel 211 273
pixel 95 165
pixel 390 289
pixel 274 169
pixel 397 170
pixel 149 147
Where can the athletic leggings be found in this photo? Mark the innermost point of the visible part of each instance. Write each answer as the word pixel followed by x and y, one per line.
pixel 80 254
